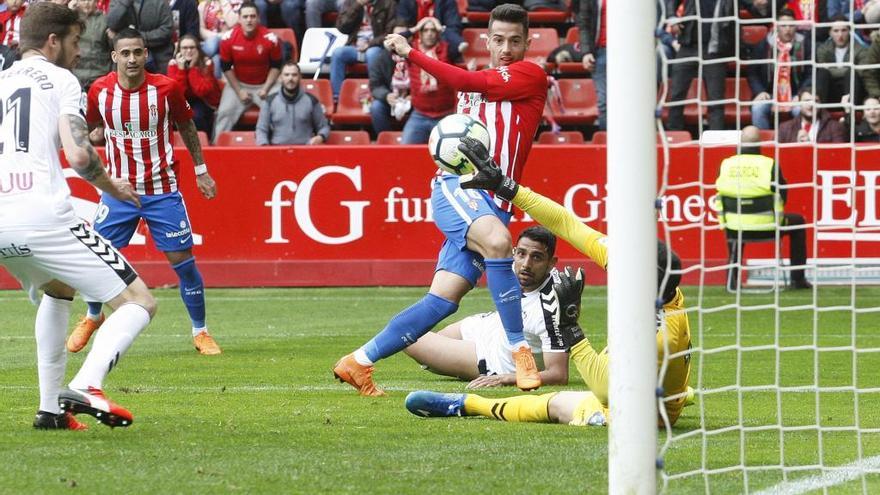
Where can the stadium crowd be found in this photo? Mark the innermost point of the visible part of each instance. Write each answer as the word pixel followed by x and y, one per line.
pixel 783 65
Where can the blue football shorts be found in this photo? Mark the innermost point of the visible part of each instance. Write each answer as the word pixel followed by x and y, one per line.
pixel 165 215
pixel 455 209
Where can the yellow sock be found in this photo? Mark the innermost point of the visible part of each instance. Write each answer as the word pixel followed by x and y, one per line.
pixel 518 409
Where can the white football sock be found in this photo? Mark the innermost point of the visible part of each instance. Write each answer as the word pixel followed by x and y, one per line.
pixel 112 340
pixel 360 356
pixel 53 316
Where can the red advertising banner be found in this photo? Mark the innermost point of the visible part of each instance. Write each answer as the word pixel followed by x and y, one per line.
pixel 343 216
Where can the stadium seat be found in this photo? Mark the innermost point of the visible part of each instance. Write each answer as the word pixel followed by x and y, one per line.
pixel 349 108
pixel 249 117
pixel 237 138
pixel 578 101
pixel 692 112
pixel 544 41
pixel 477 50
pixel 768 135
pixel 550 16
pixel 572 35
pixel 320 89
pixel 203 139
pixel 389 137
pixel 672 137
pixel 752 34
pixel 287 35
pixel 349 137
pixel 564 137
pixel 731 84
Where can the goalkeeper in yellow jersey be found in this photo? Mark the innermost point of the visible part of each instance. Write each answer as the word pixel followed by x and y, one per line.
pixel 576 408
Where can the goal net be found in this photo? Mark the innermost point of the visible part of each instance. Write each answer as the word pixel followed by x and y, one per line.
pixel 787 381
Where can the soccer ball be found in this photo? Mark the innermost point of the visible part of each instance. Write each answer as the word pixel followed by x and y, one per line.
pixel 445 138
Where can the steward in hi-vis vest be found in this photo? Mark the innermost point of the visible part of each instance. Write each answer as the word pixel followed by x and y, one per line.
pixel 747 198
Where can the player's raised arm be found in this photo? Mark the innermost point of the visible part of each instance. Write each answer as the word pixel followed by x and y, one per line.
pixel 450 75
pixel 83 159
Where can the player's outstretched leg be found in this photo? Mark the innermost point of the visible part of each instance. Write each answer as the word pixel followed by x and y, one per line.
pixel 86 326
pixel 404 329
pixel 518 409
pixel 507 295
pixel 192 292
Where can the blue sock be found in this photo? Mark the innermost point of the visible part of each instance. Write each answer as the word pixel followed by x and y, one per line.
pixel 507 295
pixel 192 291
pixel 408 325
pixel 94 309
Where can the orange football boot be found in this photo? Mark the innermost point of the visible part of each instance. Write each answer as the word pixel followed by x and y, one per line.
pixel 83 331
pixel 357 375
pixel 206 344
pixel 527 376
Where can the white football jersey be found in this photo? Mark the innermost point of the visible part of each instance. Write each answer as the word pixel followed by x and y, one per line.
pixel 34 94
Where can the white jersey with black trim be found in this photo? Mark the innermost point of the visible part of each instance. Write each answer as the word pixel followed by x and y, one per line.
pixel 34 94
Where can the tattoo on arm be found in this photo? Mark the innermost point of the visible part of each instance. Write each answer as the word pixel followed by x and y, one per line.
pixel 190 136
pixel 80 132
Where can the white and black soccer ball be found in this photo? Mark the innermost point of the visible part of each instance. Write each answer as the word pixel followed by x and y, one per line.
pixel 447 135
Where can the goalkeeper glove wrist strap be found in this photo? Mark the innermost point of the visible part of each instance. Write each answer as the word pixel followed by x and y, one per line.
pixel 507 189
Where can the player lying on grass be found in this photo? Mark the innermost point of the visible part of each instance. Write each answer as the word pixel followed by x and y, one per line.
pixel 580 408
pixel 476 347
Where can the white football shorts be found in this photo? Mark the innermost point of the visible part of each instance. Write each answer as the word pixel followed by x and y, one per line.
pixel 74 255
pixel 485 331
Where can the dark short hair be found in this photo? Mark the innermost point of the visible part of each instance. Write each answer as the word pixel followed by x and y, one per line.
pixel 128 33
pixel 542 235
pixel 249 5
pixel 291 63
pixel 666 256
pixel 840 18
pixel 785 12
pixel 512 13
pixel 45 18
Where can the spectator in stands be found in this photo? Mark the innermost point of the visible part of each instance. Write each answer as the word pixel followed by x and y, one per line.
pixel 760 9
pixel 153 19
pixel 366 22
pixel 315 10
pixel 10 22
pixel 804 129
pixel 446 12
pixel 833 83
pixel 250 55
pixel 714 40
pixel 7 57
pixel 94 45
pixel 289 11
pixel 766 82
pixel 292 115
pixel 389 86
pixel 195 74
pixel 871 77
pixel 590 20
pixel 868 129
pixel 184 18
pixel 215 18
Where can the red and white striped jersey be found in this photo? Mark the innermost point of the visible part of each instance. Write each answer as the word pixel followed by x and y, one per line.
pixel 511 108
pixel 137 126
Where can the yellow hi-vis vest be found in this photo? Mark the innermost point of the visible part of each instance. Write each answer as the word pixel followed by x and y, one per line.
pixel 745 198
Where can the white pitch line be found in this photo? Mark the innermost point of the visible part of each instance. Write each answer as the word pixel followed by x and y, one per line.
pixel 837 476
pixel 232 388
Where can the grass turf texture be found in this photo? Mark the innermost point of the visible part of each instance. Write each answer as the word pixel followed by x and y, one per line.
pixel 267 417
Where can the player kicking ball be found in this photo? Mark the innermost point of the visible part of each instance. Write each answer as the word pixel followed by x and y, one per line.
pixel 42 242
pixel 577 408
pixel 508 99
pixel 134 110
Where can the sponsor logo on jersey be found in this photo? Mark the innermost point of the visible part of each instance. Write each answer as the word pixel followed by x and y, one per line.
pixel 505 74
pixel 131 132
pixel 15 251
pixel 16 182
pixel 154 111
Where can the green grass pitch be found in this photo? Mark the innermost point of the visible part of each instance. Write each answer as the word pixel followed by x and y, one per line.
pixel 267 417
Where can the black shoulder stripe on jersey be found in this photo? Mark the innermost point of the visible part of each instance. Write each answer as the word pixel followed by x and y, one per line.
pixel 549 306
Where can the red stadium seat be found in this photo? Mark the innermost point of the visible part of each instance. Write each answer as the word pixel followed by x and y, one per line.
pixel 767 135
pixel 203 139
pixel 349 108
pixel 550 16
pixel 692 112
pixel 321 90
pixel 672 137
pixel 477 50
pixel 573 35
pixel 731 84
pixel 578 101
pixel 544 41
pixel 389 137
pixel 249 117
pixel 564 137
pixel 237 138
pixel 477 17
pixel 287 34
pixel 349 137
pixel 753 34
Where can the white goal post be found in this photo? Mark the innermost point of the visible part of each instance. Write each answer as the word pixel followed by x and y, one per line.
pixel 632 238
